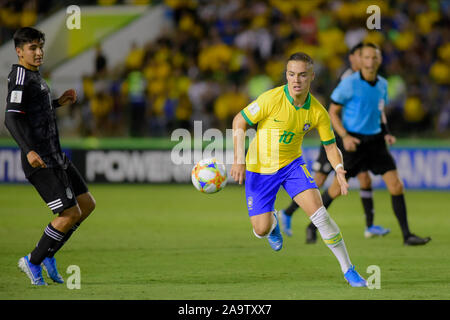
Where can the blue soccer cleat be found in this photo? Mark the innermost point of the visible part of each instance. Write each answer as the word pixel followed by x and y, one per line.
pixel 275 238
pixel 376 231
pixel 286 223
pixel 34 272
pixel 49 265
pixel 354 279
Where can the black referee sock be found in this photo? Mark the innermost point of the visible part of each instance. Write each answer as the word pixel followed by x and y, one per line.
pixel 327 200
pixel 399 206
pixel 49 240
pixel 290 210
pixel 58 246
pixel 367 202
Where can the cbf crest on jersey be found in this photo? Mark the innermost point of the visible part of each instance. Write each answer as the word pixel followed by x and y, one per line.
pixel 306 127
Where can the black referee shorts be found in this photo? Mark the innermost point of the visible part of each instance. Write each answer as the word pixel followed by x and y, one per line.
pixel 371 154
pixel 322 164
pixel 59 187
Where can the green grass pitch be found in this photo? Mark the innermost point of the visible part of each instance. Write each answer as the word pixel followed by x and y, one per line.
pixel 169 242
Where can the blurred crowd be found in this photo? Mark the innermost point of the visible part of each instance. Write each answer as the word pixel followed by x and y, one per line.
pixel 223 54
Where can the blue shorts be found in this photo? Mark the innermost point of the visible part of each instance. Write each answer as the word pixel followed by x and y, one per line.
pixel 261 189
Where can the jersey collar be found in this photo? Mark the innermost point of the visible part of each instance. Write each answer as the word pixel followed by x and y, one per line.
pixel 372 83
pixel 305 106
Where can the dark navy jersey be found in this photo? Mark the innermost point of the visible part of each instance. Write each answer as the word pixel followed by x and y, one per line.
pixel 29 96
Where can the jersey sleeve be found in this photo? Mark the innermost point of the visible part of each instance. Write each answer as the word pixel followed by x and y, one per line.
pixel 324 127
pixel 255 111
pixel 15 101
pixel 343 92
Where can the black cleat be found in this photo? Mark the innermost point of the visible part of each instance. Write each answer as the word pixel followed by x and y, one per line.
pixel 311 235
pixel 413 240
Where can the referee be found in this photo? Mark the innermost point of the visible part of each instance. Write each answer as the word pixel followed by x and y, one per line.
pixel 361 98
pixel 30 118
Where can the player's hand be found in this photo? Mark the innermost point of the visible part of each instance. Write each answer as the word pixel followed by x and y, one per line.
pixel 340 176
pixel 69 96
pixel 238 172
pixel 35 161
pixel 390 139
pixel 350 143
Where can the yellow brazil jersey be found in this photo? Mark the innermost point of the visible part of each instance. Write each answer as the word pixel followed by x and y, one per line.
pixel 281 128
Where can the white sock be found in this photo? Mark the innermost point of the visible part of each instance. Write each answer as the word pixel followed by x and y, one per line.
pixel 274 224
pixel 331 235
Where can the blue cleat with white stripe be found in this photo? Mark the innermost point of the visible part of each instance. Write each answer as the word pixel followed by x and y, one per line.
pixel 49 265
pixel 376 231
pixel 354 279
pixel 275 238
pixel 34 272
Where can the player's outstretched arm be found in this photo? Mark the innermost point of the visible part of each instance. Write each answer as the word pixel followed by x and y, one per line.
pixel 238 167
pixel 69 96
pixel 334 156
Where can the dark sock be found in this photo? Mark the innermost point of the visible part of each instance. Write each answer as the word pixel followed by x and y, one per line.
pixel 49 240
pixel 291 209
pixel 367 202
pixel 327 200
pixel 399 206
pixel 58 246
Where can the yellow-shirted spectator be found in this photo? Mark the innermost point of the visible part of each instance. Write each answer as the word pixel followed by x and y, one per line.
pixel 101 105
pixel 375 37
pixel 212 58
pixel 404 40
pixel 184 108
pixel 440 72
pixel 88 87
pixel 425 21
pixel 176 4
pixel 135 58
pixel 444 52
pixel 28 18
pixel 229 103
pixel 106 2
pixel 275 70
pixel 413 110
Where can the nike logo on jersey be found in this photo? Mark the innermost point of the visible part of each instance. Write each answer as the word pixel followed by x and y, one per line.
pixel 276 120
pixel 42 87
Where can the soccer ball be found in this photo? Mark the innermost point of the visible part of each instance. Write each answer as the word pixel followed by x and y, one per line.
pixel 209 176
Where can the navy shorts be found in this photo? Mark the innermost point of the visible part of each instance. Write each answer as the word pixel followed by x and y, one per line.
pixel 261 189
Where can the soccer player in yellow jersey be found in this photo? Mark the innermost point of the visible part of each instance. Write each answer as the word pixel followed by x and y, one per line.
pixel 284 115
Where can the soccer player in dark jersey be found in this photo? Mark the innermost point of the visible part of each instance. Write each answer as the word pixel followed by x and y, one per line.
pixel 322 169
pixel 31 120
pixel 357 115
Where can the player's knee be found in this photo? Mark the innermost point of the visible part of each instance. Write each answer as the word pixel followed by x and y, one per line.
pixel 87 204
pixel 261 230
pixel 91 204
pixel 71 215
pixel 364 181
pixel 396 187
